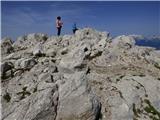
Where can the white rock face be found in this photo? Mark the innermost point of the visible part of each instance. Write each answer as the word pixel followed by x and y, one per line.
pixel 85 76
pixel 38 50
pixel 123 42
pixel 29 41
pixel 137 91
pixel 74 93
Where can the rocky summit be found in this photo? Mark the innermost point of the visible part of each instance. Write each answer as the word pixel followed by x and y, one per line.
pixel 86 76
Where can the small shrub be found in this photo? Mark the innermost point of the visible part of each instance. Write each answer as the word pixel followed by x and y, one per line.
pixel 142 75
pixel 23 93
pixel 35 90
pixel 157 65
pixel 150 109
pixel 121 76
pixel 134 110
pixel 7 97
pixel 117 80
pixel 137 87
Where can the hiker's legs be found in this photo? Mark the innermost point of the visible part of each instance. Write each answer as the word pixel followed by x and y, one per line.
pixel 74 31
pixel 59 31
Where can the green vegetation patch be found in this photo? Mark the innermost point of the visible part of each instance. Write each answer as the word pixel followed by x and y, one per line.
pixel 157 65
pixel 136 113
pixel 152 110
pixel 142 75
pixel 7 97
pixel 121 76
pixel 35 90
pixel 24 93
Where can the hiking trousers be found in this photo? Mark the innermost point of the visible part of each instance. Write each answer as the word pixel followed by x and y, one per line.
pixel 59 31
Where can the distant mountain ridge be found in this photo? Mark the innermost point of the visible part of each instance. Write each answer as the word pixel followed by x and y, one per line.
pixel 141 37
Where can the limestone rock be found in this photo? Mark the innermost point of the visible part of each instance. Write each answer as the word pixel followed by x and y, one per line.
pixel 28 63
pixel 38 50
pixel 124 42
pixel 85 76
pixel 6 66
pixel 24 63
pixel 6 46
pixel 30 40
pixel 75 60
pixel 128 104
pixel 50 53
pixel 75 94
pixel 44 103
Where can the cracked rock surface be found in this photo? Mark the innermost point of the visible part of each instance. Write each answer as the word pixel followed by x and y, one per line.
pixel 86 76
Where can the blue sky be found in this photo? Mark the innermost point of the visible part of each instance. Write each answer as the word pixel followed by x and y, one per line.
pixel 20 18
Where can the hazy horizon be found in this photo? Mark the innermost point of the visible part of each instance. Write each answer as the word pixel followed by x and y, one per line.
pixel 20 18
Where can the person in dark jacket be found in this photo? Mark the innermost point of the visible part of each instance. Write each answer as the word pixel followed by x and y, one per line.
pixel 74 28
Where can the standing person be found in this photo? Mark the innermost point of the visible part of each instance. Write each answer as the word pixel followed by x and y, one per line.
pixel 59 24
pixel 74 28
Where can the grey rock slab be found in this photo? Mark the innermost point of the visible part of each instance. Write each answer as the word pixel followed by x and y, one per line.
pixel 76 100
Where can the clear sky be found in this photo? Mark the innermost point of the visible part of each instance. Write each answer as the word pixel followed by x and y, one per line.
pixel 20 18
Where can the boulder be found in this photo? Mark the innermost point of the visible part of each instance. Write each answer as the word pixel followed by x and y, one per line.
pixel 6 66
pixel 73 94
pixel 24 63
pixel 134 91
pixel 50 53
pixel 30 40
pixel 66 40
pixel 87 34
pixel 75 60
pixel 44 103
pixel 28 63
pixel 6 46
pixel 125 42
pixel 38 50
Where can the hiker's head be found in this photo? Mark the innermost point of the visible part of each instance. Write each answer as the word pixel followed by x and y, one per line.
pixel 58 18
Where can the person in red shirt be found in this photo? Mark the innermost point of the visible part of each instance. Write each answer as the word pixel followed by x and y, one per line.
pixel 59 25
